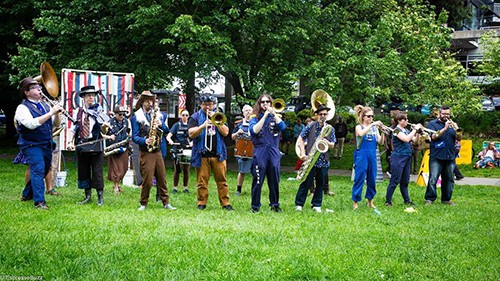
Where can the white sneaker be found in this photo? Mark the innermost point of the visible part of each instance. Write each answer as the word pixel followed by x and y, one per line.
pixel 141 208
pixel 317 209
pixel 169 207
pixel 298 208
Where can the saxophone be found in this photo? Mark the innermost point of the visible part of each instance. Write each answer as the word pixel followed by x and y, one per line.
pixel 155 133
pixel 319 146
pixel 117 147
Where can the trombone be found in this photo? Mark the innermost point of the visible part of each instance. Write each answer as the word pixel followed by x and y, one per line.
pixel 218 119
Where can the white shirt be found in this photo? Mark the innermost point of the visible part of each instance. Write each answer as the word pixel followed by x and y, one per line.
pixel 23 116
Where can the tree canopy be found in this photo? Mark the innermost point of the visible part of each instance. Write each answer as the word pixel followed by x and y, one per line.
pixel 358 51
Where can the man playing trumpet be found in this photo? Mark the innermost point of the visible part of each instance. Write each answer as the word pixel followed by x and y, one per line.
pixel 442 157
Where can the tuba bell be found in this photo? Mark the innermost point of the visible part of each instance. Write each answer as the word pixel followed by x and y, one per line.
pixel 320 97
pixel 278 105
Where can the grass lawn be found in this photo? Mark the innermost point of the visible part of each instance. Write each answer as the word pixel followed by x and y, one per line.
pixel 117 242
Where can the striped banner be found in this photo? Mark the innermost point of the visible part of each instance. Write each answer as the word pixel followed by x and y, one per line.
pixel 182 102
pixel 117 90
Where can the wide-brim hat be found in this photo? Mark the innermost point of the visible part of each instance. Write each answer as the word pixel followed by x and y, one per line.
pixel 87 90
pixel 144 95
pixel 120 109
pixel 322 107
pixel 25 83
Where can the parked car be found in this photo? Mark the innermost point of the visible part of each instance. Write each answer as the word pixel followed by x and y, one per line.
pixel 490 103
pixel 296 104
pixel 2 117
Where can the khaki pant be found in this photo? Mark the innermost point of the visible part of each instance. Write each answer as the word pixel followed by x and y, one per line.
pixel 219 170
pixel 151 164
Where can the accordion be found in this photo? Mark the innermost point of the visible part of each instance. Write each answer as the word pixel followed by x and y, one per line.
pixel 91 146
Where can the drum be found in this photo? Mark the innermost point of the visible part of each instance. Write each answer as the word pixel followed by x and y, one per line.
pixel 243 148
pixel 185 156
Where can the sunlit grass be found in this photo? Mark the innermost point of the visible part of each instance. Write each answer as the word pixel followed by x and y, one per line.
pixel 117 242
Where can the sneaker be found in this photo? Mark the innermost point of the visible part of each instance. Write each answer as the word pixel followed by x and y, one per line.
pixel 428 202
pixel 316 209
pixel 202 207
pixel 141 208
pixel 52 192
pixel 228 208
pixel 42 206
pixel 276 209
pixel 451 203
pixel 174 191
pixel 185 190
pixel 459 178
pixel 388 204
pixel 410 203
pixel 329 193
pixel 169 207
pixel 237 193
pixel 298 208
pixel 255 210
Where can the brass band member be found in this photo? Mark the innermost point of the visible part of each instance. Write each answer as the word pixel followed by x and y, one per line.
pixel 442 157
pixel 320 169
pixel 34 122
pixel 147 127
pixel 266 128
pixel 91 120
pixel 241 131
pixel 209 153
pixel 179 138
pixel 118 159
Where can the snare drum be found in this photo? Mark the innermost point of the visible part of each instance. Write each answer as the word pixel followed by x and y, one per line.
pixel 243 148
pixel 185 156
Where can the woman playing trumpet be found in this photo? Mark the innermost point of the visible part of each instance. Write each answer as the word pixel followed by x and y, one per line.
pixel 365 158
pixel 401 158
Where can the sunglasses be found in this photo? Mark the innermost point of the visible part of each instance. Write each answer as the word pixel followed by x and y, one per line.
pixel 185 114
pixel 369 116
pixel 265 101
pixel 121 114
pixel 207 98
pixel 322 114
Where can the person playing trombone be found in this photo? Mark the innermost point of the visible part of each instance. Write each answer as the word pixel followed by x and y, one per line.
pixel 209 152
pixel 401 158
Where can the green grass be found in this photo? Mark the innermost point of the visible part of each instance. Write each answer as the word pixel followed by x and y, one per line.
pixel 117 242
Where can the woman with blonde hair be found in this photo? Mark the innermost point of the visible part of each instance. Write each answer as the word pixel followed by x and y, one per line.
pixel 365 158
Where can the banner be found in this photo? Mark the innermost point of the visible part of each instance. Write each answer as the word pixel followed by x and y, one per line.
pixel 116 90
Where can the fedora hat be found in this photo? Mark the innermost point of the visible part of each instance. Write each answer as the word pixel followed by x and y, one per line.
pixel 321 107
pixel 25 83
pixel 144 95
pixel 87 90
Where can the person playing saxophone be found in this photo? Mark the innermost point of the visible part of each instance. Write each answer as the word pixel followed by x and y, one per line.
pixel 147 126
pixel 319 171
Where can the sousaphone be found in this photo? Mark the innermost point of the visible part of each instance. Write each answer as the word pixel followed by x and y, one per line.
pixel 320 97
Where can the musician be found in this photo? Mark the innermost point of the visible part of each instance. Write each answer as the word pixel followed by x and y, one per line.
pixel 442 157
pixel 120 134
pixel 179 138
pixel 209 153
pixel 144 122
pixel 241 131
pixel 265 128
pixel 365 155
pixel 401 158
pixel 91 121
pixel 340 134
pixel 34 120
pixel 320 169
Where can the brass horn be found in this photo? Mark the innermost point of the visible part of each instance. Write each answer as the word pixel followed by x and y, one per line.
pixel 278 105
pixel 49 79
pixel 218 118
pixel 320 97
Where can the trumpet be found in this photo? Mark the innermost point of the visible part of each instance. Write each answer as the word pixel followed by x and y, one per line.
pixel 455 127
pixel 278 105
pixel 385 129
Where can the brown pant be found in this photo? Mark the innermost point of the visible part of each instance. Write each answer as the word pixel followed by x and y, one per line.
pixel 203 174
pixel 151 164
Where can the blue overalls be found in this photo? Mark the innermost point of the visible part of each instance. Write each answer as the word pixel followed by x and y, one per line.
pixel 266 160
pixel 365 166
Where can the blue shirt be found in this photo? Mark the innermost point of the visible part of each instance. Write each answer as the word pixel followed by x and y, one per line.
pixel 270 133
pixel 442 148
